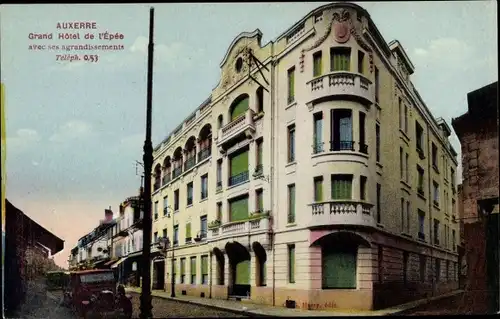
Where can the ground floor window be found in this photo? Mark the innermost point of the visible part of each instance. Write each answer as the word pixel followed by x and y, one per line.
pixel 339 267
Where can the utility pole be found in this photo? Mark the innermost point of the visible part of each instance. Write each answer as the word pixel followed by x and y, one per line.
pixel 146 306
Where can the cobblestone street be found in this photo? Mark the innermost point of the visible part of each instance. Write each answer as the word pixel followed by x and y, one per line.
pixel 164 308
pixel 40 303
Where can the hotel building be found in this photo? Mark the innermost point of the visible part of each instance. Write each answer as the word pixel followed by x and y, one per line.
pixel 314 176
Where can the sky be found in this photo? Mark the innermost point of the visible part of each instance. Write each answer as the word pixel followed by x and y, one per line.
pixel 75 129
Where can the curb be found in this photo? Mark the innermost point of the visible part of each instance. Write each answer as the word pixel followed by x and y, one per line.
pixel 239 312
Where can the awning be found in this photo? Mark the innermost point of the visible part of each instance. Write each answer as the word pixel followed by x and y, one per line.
pixel 118 262
pixel 110 262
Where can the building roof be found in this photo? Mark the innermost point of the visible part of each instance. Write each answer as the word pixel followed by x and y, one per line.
pixel 40 234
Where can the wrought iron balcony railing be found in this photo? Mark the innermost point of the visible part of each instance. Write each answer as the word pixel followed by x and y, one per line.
pixel 342 146
pixel 238 178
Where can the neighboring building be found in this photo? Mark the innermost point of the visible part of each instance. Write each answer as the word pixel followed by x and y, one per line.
pixel 24 240
pixel 477 130
pixel 321 181
pixel 93 248
pixel 127 241
pixel 73 259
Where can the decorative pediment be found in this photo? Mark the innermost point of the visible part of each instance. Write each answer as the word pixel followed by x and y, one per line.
pixel 343 27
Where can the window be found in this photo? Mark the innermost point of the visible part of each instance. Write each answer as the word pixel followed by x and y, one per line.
pixel 423 264
pixel 165 205
pixel 238 168
pixel 447 270
pixel 408 212
pixel 436 193
pixel 176 235
pixel 259 200
pixel 436 232
pixel 238 208
pixel 363 148
pixel 291 143
pixel 193 270
pixel 318 189
pixel 239 106
pixel 340 59
pixel 434 157
pixel 421 224
pixel 156 210
pixel 341 130
pixel 437 269
pixel 176 200
pixel 406 119
pixel 420 184
pixel 453 240
pixel 219 175
pixel 188 232
pixel 189 195
pixel 291 263
pixel 403 217
pixel 259 163
pixel 341 186
pixel 379 218
pixel 175 269
pixel 155 237
pixel 401 164
pixel 164 233
pixel 317 59
pixel 220 121
pixel 407 160
pixel 204 270
pixel 291 203
pixel 361 62
pixel 219 211
pixel 401 121
pixel 453 207
pixel 377 142
pixel 453 180
pixel 318 133
pixel 183 270
pixel 377 85
pixel 445 197
pixel 362 187
pixel 203 227
pixel 204 186
pixel 260 99
pixel 291 85
pixel 419 133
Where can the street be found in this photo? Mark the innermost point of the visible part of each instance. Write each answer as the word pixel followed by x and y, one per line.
pixel 164 308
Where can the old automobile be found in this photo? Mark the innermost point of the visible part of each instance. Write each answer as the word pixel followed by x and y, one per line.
pixel 92 294
pixel 56 279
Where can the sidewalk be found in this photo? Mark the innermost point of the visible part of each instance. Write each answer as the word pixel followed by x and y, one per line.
pixel 250 309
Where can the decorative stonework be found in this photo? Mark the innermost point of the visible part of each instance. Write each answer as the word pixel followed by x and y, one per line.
pixel 344 27
pixel 230 75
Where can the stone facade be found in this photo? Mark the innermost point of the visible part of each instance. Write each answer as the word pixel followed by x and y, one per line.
pixel 295 152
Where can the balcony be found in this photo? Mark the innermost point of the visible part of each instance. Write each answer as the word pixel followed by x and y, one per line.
pixel 257 223
pixel 240 127
pixel 177 172
pixel 345 212
pixel 336 146
pixel 156 185
pixel 166 178
pixel 204 153
pixel 341 84
pixel 237 179
pixel 189 163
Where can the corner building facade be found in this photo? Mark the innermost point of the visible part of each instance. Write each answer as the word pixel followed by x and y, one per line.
pixel 313 177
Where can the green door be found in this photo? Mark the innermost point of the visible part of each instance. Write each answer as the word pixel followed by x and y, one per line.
pixel 240 108
pixel 239 209
pixel 339 268
pixel 239 163
pixel 242 273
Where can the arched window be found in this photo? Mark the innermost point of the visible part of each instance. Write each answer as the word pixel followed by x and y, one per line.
pixel 239 106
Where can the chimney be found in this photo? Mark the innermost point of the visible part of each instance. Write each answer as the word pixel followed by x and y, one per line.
pixel 108 215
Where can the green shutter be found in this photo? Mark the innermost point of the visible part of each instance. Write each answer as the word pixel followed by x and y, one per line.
pixel 317 59
pixel 318 190
pixel 260 201
pixel 188 230
pixel 239 163
pixel 291 85
pixel 204 265
pixel 291 264
pixel 193 265
pixel 340 60
pixel 259 153
pixel 183 266
pixel 240 108
pixel 291 204
pixel 239 209
pixel 339 269
pixel 342 187
pixel 243 273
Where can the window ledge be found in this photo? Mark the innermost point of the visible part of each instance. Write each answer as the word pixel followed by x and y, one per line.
pixel 404 137
pixel 380 225
pixel 291 224
pixel 405 234
pixel 380 165
pixel 236 185
pixel 421 196
pixel 405 183
pixel 291 104
pixel 436 206
pixel 203 199
pixel 435 168
pixel 189 205
pixel 291 164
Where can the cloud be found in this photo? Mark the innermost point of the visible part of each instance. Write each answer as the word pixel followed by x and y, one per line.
pixel 71 130
pixel 175 55
pixel 447 52
pixel 23 140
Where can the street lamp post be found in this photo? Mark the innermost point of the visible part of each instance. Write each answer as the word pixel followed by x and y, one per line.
pixel 146 306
